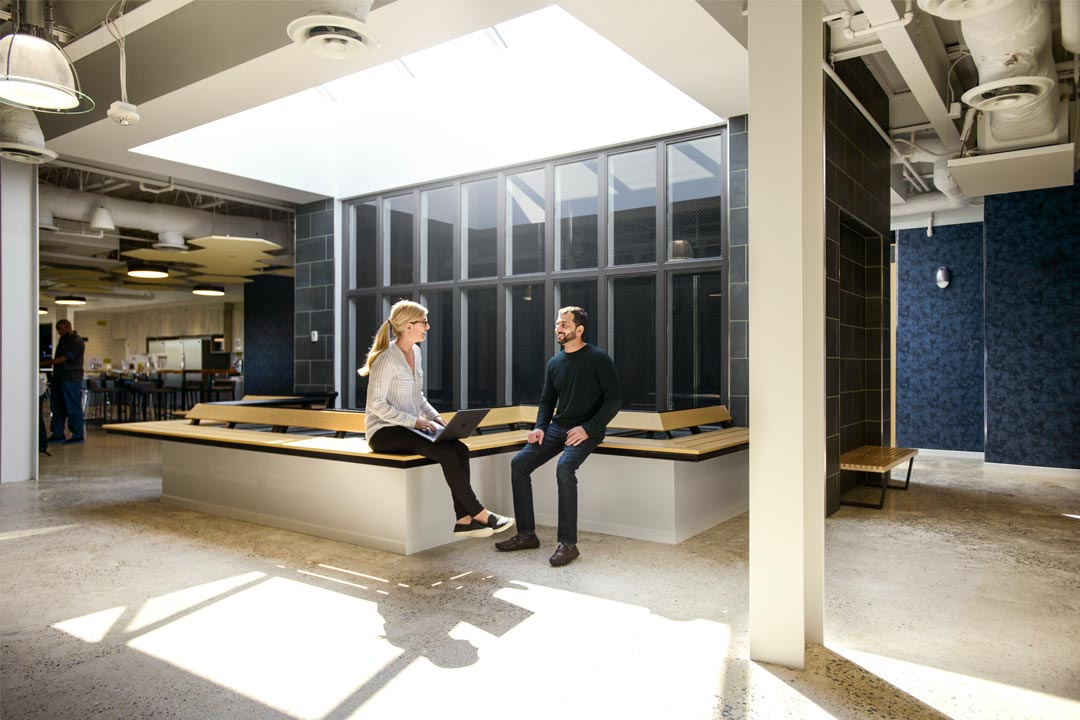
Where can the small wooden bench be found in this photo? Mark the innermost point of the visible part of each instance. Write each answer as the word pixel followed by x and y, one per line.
pixel 879 460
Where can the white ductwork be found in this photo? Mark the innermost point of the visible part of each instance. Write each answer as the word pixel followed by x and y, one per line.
pixel 948 196
pixel 1010 45
pixel 1070 25
pixel 160 219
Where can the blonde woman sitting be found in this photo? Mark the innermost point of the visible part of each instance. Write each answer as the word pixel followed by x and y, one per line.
pixel 396 402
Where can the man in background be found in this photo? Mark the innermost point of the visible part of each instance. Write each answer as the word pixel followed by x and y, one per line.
pixel 67 381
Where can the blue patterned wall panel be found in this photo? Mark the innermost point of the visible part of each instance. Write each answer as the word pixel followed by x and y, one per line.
pixel 1033 327
pixel 939 339
pixel 268 336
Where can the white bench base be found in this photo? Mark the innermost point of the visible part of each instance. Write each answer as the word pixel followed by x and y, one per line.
pixel 406 511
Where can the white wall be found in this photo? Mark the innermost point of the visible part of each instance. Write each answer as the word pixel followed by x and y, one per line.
pixel 18 322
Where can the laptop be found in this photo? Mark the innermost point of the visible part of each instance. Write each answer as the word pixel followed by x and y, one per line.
pixel 460 426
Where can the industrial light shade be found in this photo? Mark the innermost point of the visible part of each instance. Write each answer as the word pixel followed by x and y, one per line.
pixel 42 310
pixel 36 74
pixel 208 290
pixel 147 270
pixel 70 300
pixel 102 219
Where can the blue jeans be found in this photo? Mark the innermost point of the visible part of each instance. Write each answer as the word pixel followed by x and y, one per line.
pixel 67 405
pixel 533 456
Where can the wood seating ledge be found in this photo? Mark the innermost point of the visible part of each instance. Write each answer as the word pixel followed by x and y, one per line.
pixel 504 429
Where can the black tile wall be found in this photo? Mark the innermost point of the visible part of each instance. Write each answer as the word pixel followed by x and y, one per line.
pixel 856 280
pixel 314 298
pixel 738 272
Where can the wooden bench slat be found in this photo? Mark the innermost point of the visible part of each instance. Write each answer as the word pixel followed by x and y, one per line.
pixel 871 458
pixel 335 420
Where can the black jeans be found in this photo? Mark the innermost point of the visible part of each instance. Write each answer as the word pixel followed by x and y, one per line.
pixel 533 456
pixel 452 455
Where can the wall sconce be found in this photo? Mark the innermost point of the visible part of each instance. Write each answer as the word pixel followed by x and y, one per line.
pixel 943 277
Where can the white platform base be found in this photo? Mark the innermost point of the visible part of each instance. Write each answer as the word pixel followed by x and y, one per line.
pixel 406 511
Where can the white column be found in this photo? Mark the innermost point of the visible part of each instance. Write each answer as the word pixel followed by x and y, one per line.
pixel 18 322
pixel 787 330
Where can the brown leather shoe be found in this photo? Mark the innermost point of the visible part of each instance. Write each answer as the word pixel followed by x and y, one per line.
pixel 564 555
pixel 519 542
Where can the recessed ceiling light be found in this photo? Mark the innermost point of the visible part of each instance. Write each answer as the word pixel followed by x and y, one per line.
pixel 147 270
pixel 209 290
pixel 70 300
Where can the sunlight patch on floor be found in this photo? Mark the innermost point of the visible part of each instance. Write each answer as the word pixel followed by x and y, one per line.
pixel 92 628
pixel 291 646
pixel 963 696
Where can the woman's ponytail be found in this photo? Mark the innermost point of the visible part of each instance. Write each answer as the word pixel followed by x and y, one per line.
pixel 381 342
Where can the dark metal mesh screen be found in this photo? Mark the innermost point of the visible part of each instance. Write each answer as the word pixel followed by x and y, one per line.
pixel 697 334
pixel 528 351
pixel 633 338
pixel 632 207
pixel 437 228
pixel 366 239
pixel 482 371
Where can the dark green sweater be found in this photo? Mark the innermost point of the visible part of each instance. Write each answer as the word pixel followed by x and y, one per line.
pixel 585 388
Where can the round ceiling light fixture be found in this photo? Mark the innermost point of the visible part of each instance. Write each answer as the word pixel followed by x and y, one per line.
pixel 42 310
pixel 1007 93
pixel 147 270
pixel 36 74
pixel 208 290
pixel 70 300
pixel 21 139
pixel 337 37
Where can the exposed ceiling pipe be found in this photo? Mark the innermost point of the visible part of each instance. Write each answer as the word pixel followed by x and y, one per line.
pixel 157 218
pixel 175 186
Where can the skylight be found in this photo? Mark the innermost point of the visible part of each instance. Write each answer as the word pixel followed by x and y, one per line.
pixel 496 97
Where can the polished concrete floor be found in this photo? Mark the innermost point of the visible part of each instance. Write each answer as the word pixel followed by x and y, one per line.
pixel 960 599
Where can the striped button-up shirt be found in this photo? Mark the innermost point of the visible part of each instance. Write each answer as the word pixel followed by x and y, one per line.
pixel 395 394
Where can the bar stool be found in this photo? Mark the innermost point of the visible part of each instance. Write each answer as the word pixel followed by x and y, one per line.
pixel 222 390
pixel 96 401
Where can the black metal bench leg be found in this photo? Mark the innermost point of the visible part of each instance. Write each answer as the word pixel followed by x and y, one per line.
pixel 880 503
pixel 907 481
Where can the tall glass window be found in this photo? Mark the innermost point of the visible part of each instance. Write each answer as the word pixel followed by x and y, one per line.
pixel 437 235
pixel 526 206
pixel 439 349
pixel 364 220
pixel 631 210
pixel 479 228
pixel 365 324
pixel 576 188
pixel 398 238
pixel 527 353
pixel 695 198
pixel 477 250
pixel 481 342
pixel 697 334
pixel 633 338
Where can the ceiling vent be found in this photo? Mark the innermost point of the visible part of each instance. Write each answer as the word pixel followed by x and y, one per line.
pixel 171 240
pixel 335 30
pixel 1007 93
pixel 20 137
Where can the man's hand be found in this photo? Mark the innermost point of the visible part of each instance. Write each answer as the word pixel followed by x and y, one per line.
pixel 536 436
pixel 576 436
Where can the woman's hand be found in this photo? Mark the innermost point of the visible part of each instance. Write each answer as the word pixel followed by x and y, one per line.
pixel 425 426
